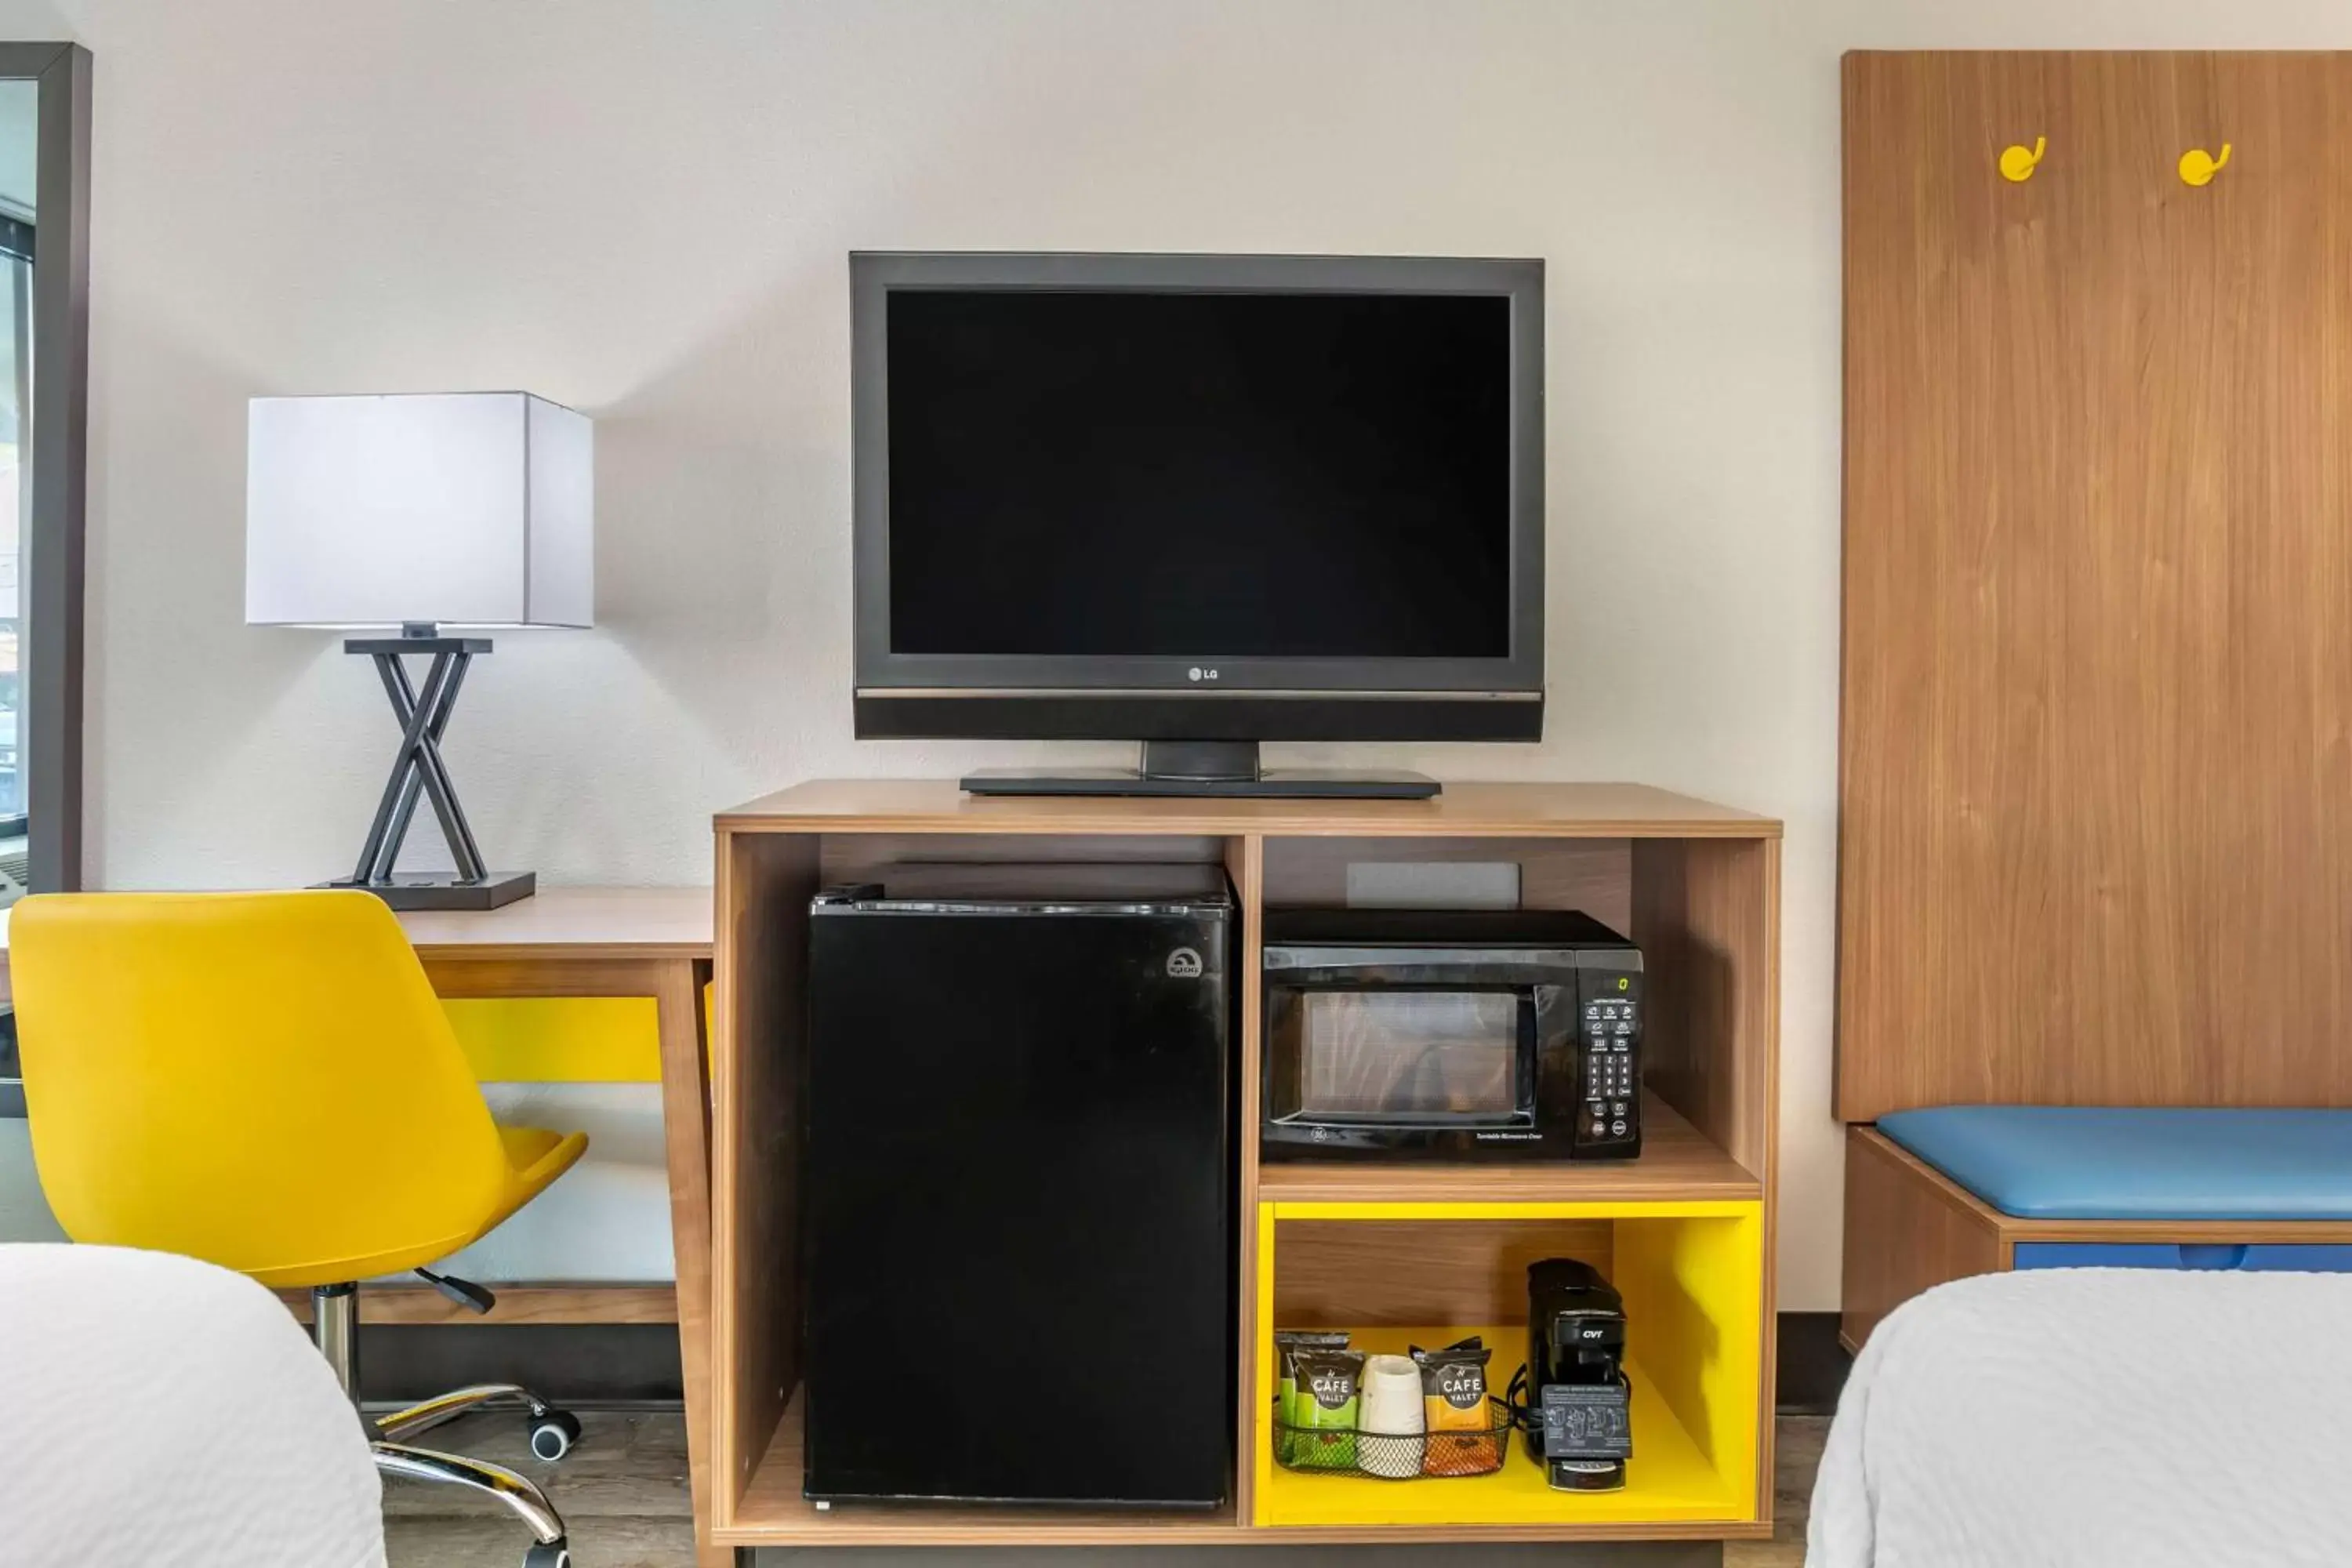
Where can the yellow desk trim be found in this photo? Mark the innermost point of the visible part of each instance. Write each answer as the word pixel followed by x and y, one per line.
pixel 559 1039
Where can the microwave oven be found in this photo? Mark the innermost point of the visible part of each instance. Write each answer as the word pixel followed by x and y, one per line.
pixel 1450 1033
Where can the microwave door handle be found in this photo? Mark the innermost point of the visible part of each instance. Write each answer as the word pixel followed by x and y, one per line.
pixel 1530 1051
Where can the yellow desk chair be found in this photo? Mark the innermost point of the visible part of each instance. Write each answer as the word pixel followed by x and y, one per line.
pixel 268 1081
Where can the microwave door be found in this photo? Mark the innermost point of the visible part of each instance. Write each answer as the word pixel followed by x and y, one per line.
pixel 1407 1057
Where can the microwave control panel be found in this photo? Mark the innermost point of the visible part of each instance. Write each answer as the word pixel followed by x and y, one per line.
pixel 1609 1119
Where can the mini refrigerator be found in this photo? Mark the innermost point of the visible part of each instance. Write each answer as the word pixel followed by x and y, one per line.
pixel 1017 1188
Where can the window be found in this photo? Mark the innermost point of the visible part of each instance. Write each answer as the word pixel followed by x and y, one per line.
pixel 19 176
pixel 15 476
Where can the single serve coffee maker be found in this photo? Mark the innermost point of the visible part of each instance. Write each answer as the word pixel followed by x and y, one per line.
pixel 1579 1411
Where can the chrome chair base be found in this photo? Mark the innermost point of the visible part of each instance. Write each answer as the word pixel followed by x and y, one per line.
pixel 553 1431
pixel 519 1493
pixel 334 1319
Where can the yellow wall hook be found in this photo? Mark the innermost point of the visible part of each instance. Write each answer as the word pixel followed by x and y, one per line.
pixel 2198 166
pixel 2018 164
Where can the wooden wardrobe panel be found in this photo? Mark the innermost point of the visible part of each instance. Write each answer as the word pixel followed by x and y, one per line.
pixel 2096 757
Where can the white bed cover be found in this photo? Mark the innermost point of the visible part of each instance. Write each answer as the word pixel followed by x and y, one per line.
pixel 155 1410
pixel 2094 1416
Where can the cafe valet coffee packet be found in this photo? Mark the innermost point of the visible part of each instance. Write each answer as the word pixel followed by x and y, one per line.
pixel 1330 1396
pixel 1462 1440
pixel 1285 1341
pixel 1285 1400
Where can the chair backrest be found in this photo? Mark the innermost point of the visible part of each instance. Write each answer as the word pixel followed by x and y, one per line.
pixel 264 1081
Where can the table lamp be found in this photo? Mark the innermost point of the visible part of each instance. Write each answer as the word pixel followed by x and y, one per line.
pixel 418 514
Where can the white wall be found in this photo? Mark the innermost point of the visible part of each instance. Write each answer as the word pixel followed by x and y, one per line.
pixel 642 209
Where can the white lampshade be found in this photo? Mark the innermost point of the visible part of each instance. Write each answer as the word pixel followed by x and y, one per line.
pixel 459 508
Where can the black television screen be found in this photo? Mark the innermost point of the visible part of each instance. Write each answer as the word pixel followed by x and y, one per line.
pixel 1189 475
pixel 1211 500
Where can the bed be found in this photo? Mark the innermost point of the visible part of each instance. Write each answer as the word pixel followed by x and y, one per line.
pixel 2089 1416
pixel 157 1410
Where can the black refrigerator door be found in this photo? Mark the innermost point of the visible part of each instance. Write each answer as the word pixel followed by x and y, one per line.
pixel 1018 1231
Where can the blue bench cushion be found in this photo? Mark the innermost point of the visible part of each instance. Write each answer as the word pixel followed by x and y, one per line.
pixel 2051 1162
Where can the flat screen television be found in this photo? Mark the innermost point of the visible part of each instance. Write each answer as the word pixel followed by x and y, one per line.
pixel 1200 501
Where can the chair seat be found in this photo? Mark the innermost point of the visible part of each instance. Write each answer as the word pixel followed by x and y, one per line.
pixel 2111 1162
pixel 535 1157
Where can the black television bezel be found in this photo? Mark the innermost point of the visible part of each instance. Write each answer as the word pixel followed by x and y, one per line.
pixel 1060 696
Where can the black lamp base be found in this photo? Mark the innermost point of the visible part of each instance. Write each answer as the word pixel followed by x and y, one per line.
pixel 446 890
pixel 418 771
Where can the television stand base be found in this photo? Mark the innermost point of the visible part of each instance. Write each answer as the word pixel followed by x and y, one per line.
pixel 1199 768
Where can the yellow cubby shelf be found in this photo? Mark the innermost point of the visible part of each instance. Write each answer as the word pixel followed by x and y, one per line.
pixel 1692 1276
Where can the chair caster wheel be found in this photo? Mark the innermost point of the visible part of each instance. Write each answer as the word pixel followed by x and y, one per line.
pixel 548 1554
pixel 551 1436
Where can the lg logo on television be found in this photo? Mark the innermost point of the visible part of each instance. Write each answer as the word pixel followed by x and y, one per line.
pixel 1197 673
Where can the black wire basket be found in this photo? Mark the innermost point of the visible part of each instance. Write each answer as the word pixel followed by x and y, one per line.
pixel 1432 1455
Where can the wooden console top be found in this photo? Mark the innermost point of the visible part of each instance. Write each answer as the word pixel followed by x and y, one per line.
pixel 1463 810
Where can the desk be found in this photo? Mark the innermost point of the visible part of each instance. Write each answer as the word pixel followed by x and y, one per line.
pixel 600 942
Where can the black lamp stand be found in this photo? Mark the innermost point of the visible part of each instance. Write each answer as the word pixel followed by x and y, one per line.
pixel 424 715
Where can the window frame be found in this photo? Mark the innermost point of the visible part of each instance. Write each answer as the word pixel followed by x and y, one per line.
pixel 50 679
pixel 19 244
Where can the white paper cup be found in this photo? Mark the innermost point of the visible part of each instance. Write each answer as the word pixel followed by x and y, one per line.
pixel 1390 1425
